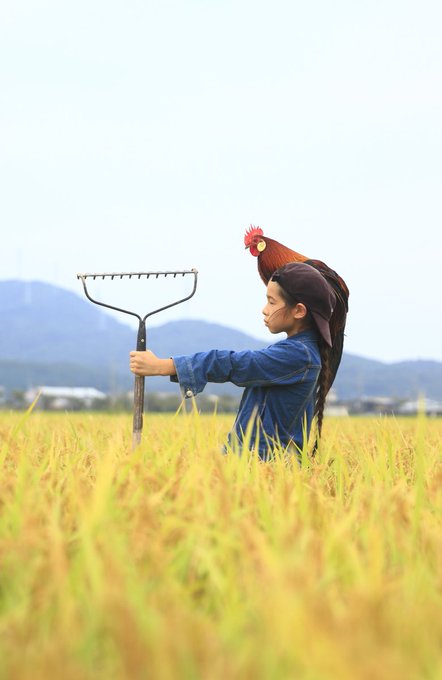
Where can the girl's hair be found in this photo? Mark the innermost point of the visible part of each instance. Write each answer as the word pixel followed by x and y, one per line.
pixel 325 376
pixel 324 384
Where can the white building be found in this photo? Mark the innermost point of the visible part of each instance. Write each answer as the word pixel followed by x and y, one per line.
pixel 333 407
pixel 427 406
pixel 59 398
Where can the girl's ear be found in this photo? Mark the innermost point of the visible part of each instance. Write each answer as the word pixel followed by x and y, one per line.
pixel 299 311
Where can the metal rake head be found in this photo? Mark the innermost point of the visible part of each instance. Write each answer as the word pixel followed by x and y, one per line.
pixel 138 275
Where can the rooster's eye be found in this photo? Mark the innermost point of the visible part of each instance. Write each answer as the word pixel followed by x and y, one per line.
pixel 261 246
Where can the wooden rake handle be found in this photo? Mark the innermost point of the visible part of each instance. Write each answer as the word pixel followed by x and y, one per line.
pixel 139 390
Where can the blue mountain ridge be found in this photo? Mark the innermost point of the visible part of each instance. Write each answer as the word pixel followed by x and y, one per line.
pixel 54 336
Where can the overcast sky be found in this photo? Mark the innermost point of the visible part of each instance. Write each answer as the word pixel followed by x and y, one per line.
pixel 144 135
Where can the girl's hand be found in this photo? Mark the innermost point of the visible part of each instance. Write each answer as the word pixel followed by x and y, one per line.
pixel 147 363
pixel 144 363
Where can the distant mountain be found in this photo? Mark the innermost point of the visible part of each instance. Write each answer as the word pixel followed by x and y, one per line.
pixel 404 379
pixel 53 336
pixel 47 324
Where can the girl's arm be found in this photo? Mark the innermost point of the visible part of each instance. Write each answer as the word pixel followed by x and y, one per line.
pixel 283 363
pixel 147 363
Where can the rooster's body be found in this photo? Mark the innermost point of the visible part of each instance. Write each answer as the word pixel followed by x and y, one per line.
pixel 272 255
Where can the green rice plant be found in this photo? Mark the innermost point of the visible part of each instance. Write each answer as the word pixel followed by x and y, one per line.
pixel 176 561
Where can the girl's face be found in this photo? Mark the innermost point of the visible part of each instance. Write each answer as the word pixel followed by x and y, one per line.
pixel 279 317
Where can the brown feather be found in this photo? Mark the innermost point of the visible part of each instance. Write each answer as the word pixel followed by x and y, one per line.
pixel 275 255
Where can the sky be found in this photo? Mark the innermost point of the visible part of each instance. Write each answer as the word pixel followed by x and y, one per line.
pixel 140 136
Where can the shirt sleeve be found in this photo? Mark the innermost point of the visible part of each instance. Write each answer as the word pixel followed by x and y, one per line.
pixel 283 363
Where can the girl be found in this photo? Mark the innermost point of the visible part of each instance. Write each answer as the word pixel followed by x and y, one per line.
pixel 286 383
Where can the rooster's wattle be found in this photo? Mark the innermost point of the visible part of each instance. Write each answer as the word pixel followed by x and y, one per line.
pixel 272 255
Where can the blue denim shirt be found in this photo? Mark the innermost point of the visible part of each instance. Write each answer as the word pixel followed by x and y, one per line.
pixel 280 388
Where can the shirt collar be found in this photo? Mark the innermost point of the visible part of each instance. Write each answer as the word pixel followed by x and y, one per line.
pixel 311 335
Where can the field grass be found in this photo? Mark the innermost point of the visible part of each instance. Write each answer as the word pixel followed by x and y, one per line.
pixel 178 562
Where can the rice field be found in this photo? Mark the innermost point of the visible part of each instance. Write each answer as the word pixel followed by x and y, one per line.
pixel 178 562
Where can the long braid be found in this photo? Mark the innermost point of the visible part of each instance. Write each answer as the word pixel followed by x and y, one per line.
pixel 324 384
pixel 325 378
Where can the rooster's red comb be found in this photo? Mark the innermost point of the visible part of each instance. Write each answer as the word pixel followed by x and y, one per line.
pixel 250 233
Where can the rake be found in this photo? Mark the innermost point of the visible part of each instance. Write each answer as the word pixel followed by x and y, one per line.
pixel 141 335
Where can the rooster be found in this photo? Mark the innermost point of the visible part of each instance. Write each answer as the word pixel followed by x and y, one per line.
pixel 272 255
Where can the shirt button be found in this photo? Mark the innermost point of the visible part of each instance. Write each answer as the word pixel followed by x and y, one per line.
pixel 189 393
